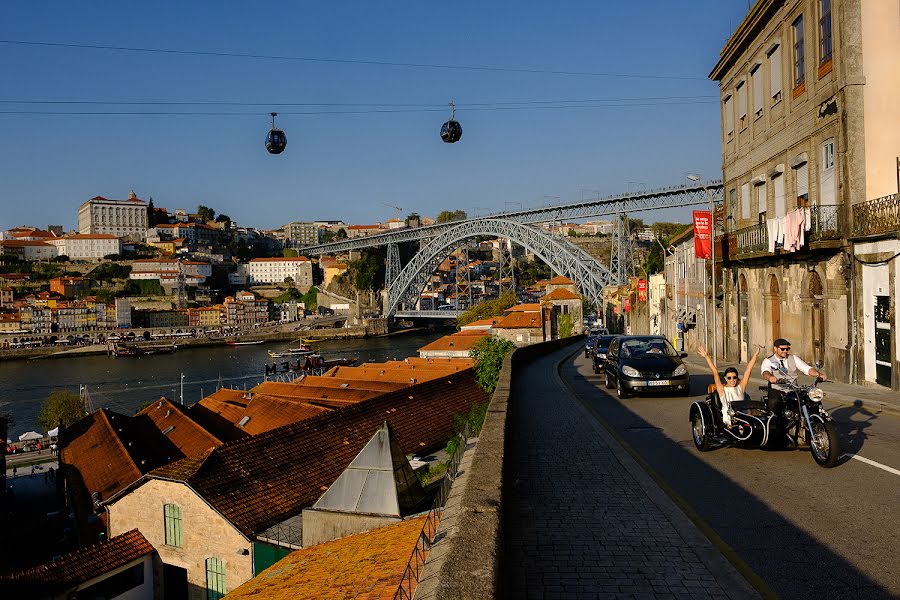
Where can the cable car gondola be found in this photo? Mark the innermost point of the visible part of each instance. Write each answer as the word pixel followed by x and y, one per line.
pixel 276 140
pixel 452 130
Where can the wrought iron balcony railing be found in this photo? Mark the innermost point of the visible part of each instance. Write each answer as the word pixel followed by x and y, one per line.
pixel 826 222
pixel 881 215
pixel 751 240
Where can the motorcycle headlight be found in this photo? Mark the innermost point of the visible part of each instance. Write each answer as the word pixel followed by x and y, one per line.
pixel 816 395
pixel 681 370
pixel 601 355
pixel 630 371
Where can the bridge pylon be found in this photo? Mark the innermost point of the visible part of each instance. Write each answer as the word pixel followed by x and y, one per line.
pixel 621 255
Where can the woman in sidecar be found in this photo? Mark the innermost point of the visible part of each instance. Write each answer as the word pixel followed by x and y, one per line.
pixel 726 416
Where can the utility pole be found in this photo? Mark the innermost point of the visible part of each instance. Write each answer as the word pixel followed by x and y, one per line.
pixel 182 389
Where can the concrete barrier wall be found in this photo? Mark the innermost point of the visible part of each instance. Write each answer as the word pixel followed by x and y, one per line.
pixel 464 561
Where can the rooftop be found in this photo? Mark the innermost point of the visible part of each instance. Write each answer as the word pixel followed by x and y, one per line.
pixel 78 567
pixel 459 342
pixel 367 565
pixel 520 320
pixel 561 294
pixel 534 307
pixel 561 280
pixel 281 259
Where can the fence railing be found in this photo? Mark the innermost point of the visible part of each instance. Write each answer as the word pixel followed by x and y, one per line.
pixel 827 222
pixel 413 571
pixel 881 215
pixel 751 239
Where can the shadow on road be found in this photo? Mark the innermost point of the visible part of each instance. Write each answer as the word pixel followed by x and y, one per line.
pixel 852 422
pixel 791 561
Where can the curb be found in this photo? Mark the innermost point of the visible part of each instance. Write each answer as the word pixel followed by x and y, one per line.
pixel 735 576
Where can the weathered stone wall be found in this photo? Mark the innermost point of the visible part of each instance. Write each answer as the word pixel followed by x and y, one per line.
pixel 205 533
pixel 321 526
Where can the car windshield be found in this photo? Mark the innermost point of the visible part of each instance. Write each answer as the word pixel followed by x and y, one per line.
pixel 604 340
pixel 648 348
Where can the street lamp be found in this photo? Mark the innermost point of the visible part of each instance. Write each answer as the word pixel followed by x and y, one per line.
pixel 712 256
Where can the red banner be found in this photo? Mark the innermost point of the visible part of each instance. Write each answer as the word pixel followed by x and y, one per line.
pixel 627 304
pixel 642 290
pixel 701 233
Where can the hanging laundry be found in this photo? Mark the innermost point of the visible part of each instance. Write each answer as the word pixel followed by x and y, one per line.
pixel 773 227
pixel 794 227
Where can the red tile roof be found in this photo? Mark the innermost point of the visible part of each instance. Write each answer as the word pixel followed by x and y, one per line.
pixel 281 259
pixel 456 342
pixel 533 307
pixel 561 294
pixel 76 567
pixel 561 280
pixel 520 320
pixel 483 322
pixel 258 481
pixel 368 565
pixel 185 433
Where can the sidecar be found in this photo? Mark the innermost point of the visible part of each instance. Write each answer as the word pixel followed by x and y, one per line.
pixel 751 425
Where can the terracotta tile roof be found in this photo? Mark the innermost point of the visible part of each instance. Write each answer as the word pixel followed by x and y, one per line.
pixel 470 332
pixel 258 481
pixel 90 236
pixel 520 320
pixel 482 322
pixel 457 343
pixel 78 567
pixel 560 294
pixel 187 435
pixel 23 243
pixel 356 384
pixel 561 280
pixel 367 565
pixel 533 307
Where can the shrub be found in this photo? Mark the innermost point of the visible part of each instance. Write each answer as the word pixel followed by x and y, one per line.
pixel 489 353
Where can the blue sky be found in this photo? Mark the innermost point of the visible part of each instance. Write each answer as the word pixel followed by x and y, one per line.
pixel 347 166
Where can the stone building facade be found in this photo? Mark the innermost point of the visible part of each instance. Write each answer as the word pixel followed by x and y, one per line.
pixel 808 136
pixel 120 218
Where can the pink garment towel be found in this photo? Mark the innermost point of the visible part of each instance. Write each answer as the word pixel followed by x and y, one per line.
pixel 794 225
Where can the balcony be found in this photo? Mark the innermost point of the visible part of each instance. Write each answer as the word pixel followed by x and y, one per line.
pixel 877 217
pixel 826 229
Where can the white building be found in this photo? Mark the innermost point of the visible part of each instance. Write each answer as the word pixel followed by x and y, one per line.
pixel 275 270
pixel 120 218
pixel 168 270
pixel 28 249
pixel 90 246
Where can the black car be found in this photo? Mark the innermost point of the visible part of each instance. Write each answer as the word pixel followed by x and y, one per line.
pixel 589 345
pixel 645 363
pixel 601 347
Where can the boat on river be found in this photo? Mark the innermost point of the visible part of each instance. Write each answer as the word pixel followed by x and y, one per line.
pixel 302 350
pixel 244 342
pixel 121 349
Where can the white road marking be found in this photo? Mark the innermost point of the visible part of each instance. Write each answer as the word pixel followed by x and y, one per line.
pixel 869 461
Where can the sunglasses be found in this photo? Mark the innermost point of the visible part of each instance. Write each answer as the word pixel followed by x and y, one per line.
pixel 787 349
pixel 730 377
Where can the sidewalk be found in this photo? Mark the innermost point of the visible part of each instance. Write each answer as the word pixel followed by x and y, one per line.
pixel 875 400
pixel 583 519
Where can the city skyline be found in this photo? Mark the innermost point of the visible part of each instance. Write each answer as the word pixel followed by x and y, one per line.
pixel 542 136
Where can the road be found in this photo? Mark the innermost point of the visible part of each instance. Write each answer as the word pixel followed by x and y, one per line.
pixel 808 532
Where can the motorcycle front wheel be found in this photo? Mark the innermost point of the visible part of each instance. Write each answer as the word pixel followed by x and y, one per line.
pixel 825 444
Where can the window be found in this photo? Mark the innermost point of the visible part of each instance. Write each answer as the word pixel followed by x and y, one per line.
pixel 761 201
pixel 775 73
pixel 826 174
pixel 799 59
pixel 745 201
pixel 172 516
pixel 825 40
pixel 778 186
pixel 728 110
pixel 215 579
pixel 756 77
pixel 742 104
pixel 732 203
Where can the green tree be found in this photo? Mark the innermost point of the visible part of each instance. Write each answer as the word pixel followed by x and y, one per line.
pixel 487 309
pixel 289 253
pixel 364 272
pixel 566 323
pixel 206 213
pixel 488 354
pixel 341 234
pixel 61 405
pixel 223 219
pixel 327 237
pixel 587 307
pixel 451 215
pixel 289 281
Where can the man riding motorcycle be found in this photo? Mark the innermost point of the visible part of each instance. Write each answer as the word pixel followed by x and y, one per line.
pixel 780 361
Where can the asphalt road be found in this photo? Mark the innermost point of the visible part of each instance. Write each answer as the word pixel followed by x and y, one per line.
pixel 808 532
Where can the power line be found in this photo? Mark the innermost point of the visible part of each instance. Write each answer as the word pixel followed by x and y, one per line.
pixel 442 106
pixel 380 63
pixel 338 112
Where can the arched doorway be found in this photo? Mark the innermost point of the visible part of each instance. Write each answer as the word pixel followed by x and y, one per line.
pixel 775 301
pixel 744 318
pixel 817 315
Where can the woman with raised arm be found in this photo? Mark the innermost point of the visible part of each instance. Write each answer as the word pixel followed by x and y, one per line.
pixel 732 390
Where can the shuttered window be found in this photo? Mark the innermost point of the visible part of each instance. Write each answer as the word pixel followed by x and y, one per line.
pixel 215 579
pixel 742 103
pixel 826 174
pixel 745 201
pixel 172 518
pixel 761 201
pixel 802 176
pixel 728 109
pixel 756 78
pixel 778 185
pixel 799 53
pixel 775 73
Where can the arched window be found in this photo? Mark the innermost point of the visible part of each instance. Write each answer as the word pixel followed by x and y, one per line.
pixel 172 518
pixel 215 578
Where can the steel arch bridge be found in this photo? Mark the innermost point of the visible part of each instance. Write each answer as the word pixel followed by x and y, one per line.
pixel 560 255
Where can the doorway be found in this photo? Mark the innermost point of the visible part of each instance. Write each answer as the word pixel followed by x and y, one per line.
pixel 775 300
pixel 883 344
pixel 744 317
pixel 817 314
pixel 175 584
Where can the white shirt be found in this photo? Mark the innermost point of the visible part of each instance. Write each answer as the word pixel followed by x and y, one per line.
pixel 772 364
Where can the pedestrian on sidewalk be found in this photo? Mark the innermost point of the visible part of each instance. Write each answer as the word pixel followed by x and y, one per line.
pixel 33 469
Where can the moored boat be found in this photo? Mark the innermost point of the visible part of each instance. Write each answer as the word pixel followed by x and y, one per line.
pixel 303 350
pixel 243 343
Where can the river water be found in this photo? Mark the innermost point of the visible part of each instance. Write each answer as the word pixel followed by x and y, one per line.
pixel 126 383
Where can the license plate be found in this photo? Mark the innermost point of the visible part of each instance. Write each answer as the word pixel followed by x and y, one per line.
pixel 658 382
